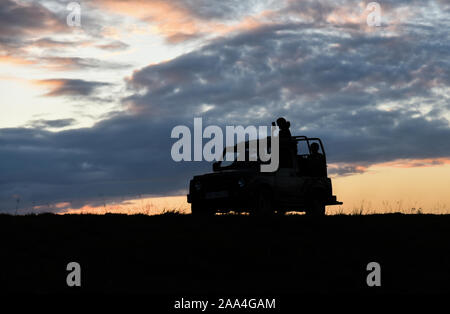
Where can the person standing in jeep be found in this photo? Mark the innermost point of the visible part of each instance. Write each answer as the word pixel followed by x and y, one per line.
pixel 287 145
pixel 284 126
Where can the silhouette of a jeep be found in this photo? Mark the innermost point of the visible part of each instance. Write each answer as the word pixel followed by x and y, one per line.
pixel 300 183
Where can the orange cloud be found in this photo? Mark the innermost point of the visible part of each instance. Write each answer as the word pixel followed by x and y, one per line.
pixel 16 60
pixel 69 87
pixel 345 169
pixel 415 163
pixel 53 83
pixel 246 24
pixel 62 205
pixel 168 19
pixel 347 15
pixel 176 23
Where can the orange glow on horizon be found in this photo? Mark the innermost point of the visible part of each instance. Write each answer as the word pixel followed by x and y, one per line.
pixel 406 186
pixel 147 206
pixel 403 186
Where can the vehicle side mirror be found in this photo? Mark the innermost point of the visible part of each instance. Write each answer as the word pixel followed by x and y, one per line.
pixel 216 166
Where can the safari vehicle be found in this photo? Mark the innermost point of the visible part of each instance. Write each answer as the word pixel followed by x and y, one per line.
pixel 299 184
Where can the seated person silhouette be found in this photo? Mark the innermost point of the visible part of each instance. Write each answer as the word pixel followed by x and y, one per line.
pixel 316 161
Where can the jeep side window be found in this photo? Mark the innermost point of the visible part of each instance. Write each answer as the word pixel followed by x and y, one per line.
pixel 302 148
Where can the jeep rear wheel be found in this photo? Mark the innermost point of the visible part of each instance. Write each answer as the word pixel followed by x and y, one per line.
pixel 263 203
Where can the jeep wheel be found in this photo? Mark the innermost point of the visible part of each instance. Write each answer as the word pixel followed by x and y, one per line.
pixel 317 209
pixel 263 203
pixel 199 209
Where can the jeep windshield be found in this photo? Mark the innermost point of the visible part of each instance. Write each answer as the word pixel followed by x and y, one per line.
pixel 231 160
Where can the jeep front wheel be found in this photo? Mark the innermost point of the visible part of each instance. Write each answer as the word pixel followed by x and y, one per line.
pixel 199 209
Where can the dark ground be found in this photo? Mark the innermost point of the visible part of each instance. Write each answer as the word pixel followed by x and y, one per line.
pixel 181 255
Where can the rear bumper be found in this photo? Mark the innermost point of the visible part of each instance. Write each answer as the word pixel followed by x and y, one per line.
pixel 333 201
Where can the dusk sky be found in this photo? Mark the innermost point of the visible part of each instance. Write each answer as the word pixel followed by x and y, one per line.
pixel 86 112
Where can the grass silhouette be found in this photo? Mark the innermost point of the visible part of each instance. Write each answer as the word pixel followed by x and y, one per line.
pixel 178 253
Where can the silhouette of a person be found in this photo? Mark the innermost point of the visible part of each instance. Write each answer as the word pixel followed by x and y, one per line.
pixel 317 160
pixel 315 151
pixel 287 146
pixel 284 126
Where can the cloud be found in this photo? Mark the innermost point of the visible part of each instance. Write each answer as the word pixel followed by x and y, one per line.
pixel 16 60
pixel 35 33
pixel 20 21
pixel 51 124
pixel 114 45
pixel 340 169
pixel 286 66
pixel 182 20
pixel 78 63
pixel 21 18
pixel 125 155
pixel 52 43
pixel 368 94
pixel 70 87
pixel 412 163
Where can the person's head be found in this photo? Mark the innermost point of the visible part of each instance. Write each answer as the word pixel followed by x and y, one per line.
pixel 283 124
pixel 314 148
